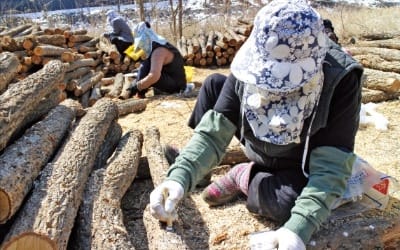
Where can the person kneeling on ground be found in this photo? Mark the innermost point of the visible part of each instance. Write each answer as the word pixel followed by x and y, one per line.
pixel 293 97
pixel 163 67
pixel 121 33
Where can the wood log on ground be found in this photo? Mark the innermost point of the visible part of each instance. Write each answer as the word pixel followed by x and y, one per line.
pixel 85 86
pixel 47 217
pixel 14 31
pixel 111 140
pixel 79 72
pixel 381 80
pixel 73 83
pixel 349 227
pixel 210 41
pixel 49 50
pixel 100 221
pixel 68 33
pixel 158 237
pixel 95 94
pixel 57 40
pixel 12 44
pixel 9 65
pixel 117 86
pixel 389 44
pixel 131 106
pixel 76 38
pixel 386 54
pixel 19 99
pixel 125 92
pixel 109 48
pixel 22 161
pixel 41 109
pixel 85 62
pixel 84 99
pixel 376 62
pixel 373 95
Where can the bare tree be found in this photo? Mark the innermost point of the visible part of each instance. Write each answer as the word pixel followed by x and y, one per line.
pixel 141 10
pixel 176 12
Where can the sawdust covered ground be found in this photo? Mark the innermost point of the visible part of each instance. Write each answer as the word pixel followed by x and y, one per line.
pixel 228 227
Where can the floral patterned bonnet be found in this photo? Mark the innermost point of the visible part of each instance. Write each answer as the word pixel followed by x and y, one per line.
pixel 144 38
pixel 281 66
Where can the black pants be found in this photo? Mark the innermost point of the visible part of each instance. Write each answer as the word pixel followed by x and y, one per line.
pixel 121 46
pixel 272 189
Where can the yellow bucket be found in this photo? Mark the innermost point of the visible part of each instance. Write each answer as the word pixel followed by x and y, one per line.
pixel 189 72
pixel 130 51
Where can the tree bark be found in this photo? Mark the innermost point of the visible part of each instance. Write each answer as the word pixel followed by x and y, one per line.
pixel 100 220
pixel 49 50
pixel 386 54
pixel 158 237
pixel 373 95
pixel 131 106
pixel 381 80
pixel 9 66
pixel 117 86
pixel 113 136
pixel 125 92
pixel 19 99
pixel 95 94
pixel 57 40
pixel 85 86
pixel 376 62
pixel 48 216
pixel 388 44
pixel 349 228
pixel 22 161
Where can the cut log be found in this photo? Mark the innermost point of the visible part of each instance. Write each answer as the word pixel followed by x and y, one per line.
pixel 76 38
pixel 386 54
pixel 117 86
pixel 57 40
pixel 381 80
pixel 19 99
pixel 85 86
pixel 12 44
pixel 100 218
pixel 22 161
pixel 9 65
pixel 46 219
pixel 49 50
pixel 41 109
pixel 131 106
pixel 389 44
pixel 349 227
pixel 95 94
pixel 84 99
pixel 109 48
pixel 376 62
pixel 157 236
pixel 14 31
pixel 111 140
pixel 86 62
pixel 372 95
pixel 79 72
pixel 125 92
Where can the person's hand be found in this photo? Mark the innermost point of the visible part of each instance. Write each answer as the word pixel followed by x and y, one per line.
pixel 134 88
pixel 281 239
pixel 163 200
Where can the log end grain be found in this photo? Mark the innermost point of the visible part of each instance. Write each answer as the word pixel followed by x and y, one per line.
pixel 5 206
pixel 31 241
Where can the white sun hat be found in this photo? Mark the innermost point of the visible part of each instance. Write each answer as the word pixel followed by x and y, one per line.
pixel 281 66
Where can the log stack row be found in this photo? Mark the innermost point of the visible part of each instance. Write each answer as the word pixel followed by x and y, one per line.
pixel 380 59
pixel 90 62
pixel 215 47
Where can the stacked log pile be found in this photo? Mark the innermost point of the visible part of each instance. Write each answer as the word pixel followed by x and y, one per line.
pixel 87 59
pixel 59 129
pixel 380 58
pixel 215 47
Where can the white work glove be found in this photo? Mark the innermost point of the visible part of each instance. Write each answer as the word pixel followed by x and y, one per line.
pixel 281 239
pixel 163 200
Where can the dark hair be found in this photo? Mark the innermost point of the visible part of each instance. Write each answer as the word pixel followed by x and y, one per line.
pixel 147 24
pixel 328 24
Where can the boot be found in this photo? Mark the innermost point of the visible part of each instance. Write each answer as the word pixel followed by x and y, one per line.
pixel 228 187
